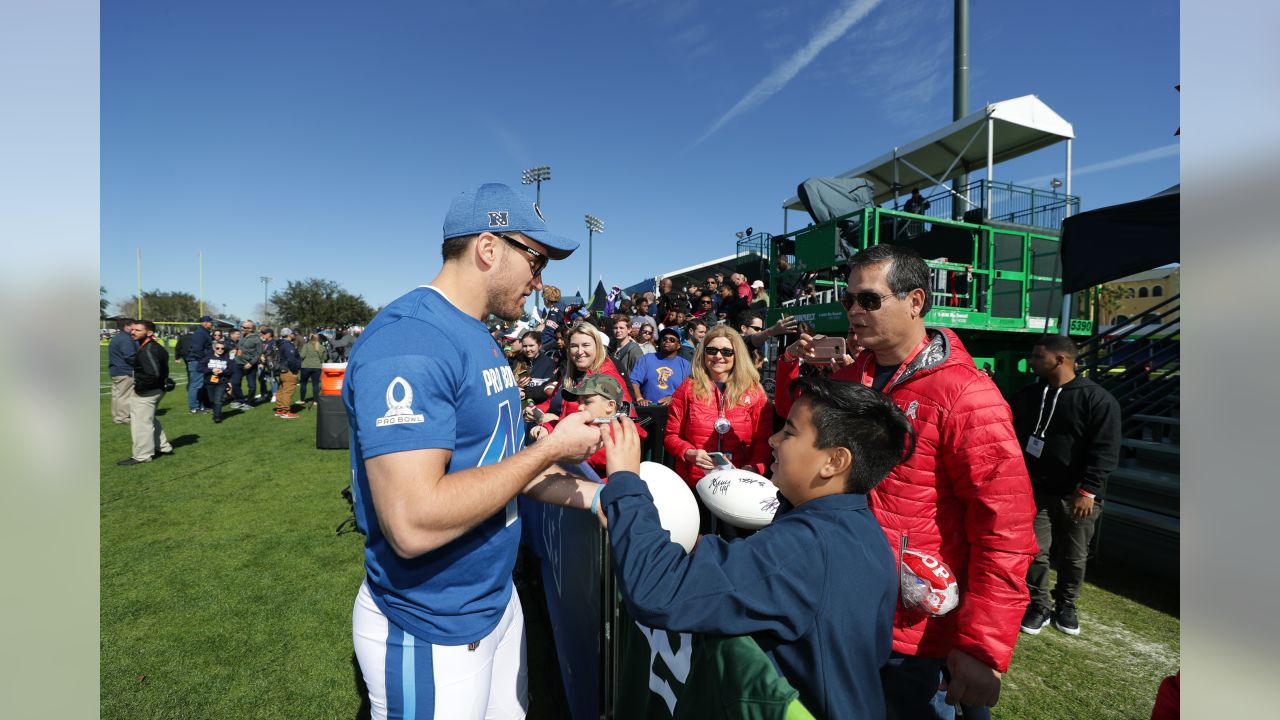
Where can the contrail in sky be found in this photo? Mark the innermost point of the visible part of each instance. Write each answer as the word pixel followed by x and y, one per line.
pixel 831 30
pixel 1138 157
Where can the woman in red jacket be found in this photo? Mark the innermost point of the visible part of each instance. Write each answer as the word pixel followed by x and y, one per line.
pixel 584 355
pixel 721 408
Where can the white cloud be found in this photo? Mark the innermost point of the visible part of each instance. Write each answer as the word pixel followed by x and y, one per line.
pixel 830 31
pixel 1133 159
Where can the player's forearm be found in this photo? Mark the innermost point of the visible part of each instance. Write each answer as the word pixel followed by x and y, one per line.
pixel 558 486
pixel 442 512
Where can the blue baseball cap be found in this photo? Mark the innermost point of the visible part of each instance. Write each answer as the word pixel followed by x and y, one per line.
pixel 494 207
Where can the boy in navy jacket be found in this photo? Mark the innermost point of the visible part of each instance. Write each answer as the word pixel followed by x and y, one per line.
pixel 817 587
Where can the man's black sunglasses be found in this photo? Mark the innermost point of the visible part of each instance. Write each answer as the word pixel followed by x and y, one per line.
pixel 537 261
pixel 868 301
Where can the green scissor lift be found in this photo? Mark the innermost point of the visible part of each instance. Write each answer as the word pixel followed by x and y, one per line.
pixel 996 284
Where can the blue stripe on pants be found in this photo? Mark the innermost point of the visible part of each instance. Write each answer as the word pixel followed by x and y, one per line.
pixel 410 676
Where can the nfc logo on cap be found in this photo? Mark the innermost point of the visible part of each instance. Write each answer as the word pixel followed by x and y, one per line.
pixel 498 219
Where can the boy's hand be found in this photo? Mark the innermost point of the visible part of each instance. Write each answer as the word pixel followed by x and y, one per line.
pixel 621 446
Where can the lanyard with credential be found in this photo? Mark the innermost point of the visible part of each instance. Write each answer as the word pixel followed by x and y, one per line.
pixel 868 370
pixel 1040 431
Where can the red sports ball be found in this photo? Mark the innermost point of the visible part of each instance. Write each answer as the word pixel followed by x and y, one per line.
pixel 928 584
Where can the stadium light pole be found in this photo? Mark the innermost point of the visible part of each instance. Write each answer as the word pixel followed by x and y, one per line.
pixel 266 283
pixel 536 175
pixel 594 225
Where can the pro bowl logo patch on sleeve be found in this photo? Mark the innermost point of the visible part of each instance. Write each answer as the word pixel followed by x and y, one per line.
pixel 399 412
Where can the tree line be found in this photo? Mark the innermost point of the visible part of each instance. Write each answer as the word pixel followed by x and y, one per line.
pixel 308 303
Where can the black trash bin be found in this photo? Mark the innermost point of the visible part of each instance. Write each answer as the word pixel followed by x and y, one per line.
pixel 331 423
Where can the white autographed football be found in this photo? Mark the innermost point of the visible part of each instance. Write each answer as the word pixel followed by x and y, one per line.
pixel 677 510
pixel 739 497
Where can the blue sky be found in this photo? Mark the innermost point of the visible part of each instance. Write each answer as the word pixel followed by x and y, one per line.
pixel 325 139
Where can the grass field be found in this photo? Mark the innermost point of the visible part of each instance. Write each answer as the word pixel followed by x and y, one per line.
pixel 226 592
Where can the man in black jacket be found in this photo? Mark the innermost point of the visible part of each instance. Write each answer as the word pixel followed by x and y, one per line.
pixel 1069 428
pixel 150 371
pixel 201 345
pixel 290 366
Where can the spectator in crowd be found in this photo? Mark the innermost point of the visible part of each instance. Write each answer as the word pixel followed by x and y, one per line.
pixel 235 395
pixel 554 319
pixel 694 331
pixel 150 375
pixel 312 357
pixel 644 305
pixel 1069 427
pixel 917 205
pixel 657 375
pixel 601 395
pixel 729 306
pixel 248 353
pixel 759 298
pixel 586 355
pixel 667 302
pixel 542 366
pixel 201 343
pixel 120 353
pixel 290 365
pixel 215 368
pixel 341 345
pixel 749 325
pixel 967 502
pixel 644 336
pixel 683 313
pixel 759 335
pixel 741 287
pixel 721 408
pixel 557 346
pixel 711 289
pixel 817 586
pixel 216 335
pixel 788 283
pixel 626 352
pixel 268 364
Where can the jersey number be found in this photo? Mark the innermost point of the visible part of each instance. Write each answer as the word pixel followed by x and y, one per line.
pixel 503 442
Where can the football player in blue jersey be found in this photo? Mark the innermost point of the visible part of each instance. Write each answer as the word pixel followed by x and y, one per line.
pixel 437 459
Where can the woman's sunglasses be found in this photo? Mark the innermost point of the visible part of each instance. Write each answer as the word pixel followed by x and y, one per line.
pixel 726 352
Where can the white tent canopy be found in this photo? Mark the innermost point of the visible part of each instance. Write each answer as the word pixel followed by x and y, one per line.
pixel 998 132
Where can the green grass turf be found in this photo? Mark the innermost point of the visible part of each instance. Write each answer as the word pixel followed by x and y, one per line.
pixel 227 594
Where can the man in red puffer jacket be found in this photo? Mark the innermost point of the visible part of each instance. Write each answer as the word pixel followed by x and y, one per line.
pixel 963 497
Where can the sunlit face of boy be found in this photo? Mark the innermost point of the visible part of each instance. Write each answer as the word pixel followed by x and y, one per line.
pixel 801 470
pixel 598 405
